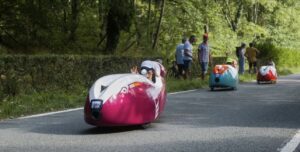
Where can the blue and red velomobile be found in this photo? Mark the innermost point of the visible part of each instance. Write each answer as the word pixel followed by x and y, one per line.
pixel 223 76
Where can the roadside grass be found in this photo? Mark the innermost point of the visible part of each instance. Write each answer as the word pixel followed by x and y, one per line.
pixel 35 103
pixel 174 85
pixel 246 77
pixel 282 71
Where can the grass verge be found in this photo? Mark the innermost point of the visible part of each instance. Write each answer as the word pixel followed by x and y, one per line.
pixel 27 104
pixel 174 85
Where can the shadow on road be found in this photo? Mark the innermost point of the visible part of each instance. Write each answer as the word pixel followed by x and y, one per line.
pixel 110 130
pixel 78 127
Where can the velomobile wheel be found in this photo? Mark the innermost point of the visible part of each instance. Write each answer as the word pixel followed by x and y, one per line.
pixel 212 88
pixel 146 125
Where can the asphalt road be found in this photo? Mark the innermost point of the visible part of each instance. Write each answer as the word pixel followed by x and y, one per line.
pixel 255 118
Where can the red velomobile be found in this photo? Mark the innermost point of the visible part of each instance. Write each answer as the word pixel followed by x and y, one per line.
pixel 125 99
pixel 267 74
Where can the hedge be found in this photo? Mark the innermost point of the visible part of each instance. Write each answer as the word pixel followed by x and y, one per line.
pixel 27 74
pixel 22 74
pixel 283 57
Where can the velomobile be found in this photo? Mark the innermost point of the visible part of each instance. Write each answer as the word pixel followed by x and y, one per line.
pixel 267 74
pixel 125 99
pixel 223 76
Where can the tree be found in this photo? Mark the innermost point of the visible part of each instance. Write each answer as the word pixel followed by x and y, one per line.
pixel 119 18
pixel 156 37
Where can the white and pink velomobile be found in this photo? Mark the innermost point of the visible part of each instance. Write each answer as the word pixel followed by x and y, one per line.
pixel 125 99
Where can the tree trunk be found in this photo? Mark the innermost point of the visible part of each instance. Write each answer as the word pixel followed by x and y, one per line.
pixel 65 17
pixel 112 31
pixel 255 12
pixel 138 31
pixel 75 6
pixel 206 30
pixel 102 20
pixel 156 37
pixel 238 16
pixel 149 37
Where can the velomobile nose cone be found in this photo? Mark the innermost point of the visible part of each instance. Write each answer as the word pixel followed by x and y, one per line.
pixel 96 106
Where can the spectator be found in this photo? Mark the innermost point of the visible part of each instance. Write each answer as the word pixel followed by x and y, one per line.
pixel 188 55
pixel 204 55
pixel 251 54
pixel 179 55
pixel 241 57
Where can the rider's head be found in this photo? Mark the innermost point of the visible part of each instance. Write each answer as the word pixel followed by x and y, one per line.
pixel 149 73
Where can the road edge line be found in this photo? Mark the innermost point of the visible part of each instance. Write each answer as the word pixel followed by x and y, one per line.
pixel 186 91
pixel 50 113
pixel 292 144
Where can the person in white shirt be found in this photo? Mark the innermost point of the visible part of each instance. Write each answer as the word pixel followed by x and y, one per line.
pixel 241 56
pixel 179 55
pixel 188 55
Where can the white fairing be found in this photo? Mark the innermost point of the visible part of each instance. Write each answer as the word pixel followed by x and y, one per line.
pixel 233 71
pixel 111 85
pixel 265 70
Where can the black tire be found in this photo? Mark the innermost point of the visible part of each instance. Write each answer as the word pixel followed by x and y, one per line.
pixel 258 82
pixel 146 125
pixel 212 88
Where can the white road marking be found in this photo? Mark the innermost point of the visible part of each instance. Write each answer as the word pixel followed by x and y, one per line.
pixel 81 108
pixel 50 113
pixel 182 92
pixel 288 80
pixel 293 144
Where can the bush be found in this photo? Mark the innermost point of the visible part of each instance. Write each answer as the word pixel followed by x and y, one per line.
pixel 283 57
pixel 22 74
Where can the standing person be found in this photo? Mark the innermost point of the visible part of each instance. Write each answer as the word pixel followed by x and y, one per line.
pixel 204 55
pixel 188 55
pixel 240 53
pixel 179 55
pixel 251 54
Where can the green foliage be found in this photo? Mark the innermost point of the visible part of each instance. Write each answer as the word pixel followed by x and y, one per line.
pixel 283 57
pixel 128 27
